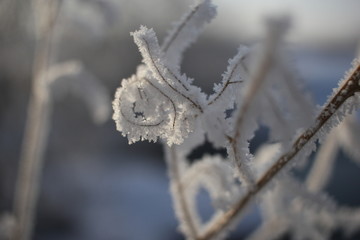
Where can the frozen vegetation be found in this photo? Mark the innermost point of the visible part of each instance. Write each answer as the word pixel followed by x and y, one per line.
pixel 250 157
pixel 258 88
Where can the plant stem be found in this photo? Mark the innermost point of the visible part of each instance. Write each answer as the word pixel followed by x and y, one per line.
pixel 31 162
pixel 35 137
pixel 181 205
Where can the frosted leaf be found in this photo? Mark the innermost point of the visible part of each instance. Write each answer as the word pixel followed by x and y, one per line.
pixel 216 176
pixel 258 86
pixel 301 148
pixel 272 95
pixel 304 211
pixel 214 118
pixel 71 76
pixel 300 104
pixel 187 30
pixel 285 107
pixel 157 102
pixel 254 88
pixel 167 76
pixel 344 136
pixel 248 111
pixel 265 157
pixel 144 111
pixel 282 104
pixel 194 140
pixel 233 79
pixel 131 104
pixel 216 125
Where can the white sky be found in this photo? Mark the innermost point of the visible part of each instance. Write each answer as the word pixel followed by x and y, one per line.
pixel 313 20
pixel 321 21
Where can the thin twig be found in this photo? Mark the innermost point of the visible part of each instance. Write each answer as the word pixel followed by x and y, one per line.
pixel 166 46
pixel 34 142
pixel 179 192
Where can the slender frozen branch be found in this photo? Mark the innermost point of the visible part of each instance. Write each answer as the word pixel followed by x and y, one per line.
pixel 187 30
pixel 183 210
pixel 36 130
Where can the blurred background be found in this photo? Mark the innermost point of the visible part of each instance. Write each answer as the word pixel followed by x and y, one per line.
pixel 95 185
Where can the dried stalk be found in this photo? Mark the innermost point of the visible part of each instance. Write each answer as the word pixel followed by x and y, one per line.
pixel 34 142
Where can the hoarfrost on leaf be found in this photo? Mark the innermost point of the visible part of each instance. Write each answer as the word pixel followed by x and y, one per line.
pixel 187 30
pixel 158 101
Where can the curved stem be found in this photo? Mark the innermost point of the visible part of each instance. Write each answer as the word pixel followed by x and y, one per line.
pixel 181 205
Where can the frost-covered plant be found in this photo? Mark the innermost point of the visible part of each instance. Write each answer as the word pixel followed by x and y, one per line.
pixel 50 78
pixel 258 87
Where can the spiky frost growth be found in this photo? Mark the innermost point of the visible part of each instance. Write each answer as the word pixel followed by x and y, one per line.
pixel 187 30
pixel 175 103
